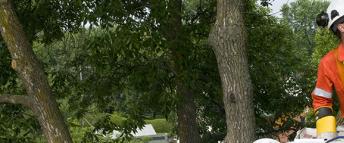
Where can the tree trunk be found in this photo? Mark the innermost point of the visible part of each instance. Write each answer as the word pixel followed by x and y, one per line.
pixel 186 113
pixel 186 109
pixel 30 71
pixel 228 40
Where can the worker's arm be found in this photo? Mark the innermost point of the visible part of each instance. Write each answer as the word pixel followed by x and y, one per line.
pixel 322 104
pixel 322 94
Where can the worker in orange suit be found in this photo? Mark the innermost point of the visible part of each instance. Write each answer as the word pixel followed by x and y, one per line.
pixel 330 73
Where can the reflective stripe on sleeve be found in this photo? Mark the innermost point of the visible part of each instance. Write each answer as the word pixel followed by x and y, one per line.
pixel 322 93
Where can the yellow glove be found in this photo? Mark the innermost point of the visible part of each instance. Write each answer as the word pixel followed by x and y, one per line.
pixel 325 123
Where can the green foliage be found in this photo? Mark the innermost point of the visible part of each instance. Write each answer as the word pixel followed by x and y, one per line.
pixel 310 119
pixel 284 56
pixel 119 72
pixel 5 60
pixel 278 58
pixel 161 125
pixel 272 66
pixel 300 16
pixel 116 76
pixel 79 130
pixel 325 41
pixel 18 125
pixel 8 78
pixel 87 78
pixel 105 68
pixel 47 20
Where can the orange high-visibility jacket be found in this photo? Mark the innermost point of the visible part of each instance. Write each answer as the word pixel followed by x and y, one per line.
pixel 329 79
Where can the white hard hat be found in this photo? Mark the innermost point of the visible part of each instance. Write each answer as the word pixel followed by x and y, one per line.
pixel 333 16
pixel 335 11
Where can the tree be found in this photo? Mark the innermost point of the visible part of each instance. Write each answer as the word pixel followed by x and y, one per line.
pixel 143 78
pixel 30 71
pixel 81 66
pixel 274 64
pixel 186 109
pixel 228 40
pixel 325 41
pixel 153 55
pixel 300 15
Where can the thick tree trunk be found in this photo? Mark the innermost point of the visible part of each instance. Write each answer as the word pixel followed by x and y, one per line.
pixel 30 71
pixel 186 109
pixel 228 39
pixel 186 112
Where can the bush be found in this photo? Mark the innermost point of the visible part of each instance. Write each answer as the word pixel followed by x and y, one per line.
pixel 161 125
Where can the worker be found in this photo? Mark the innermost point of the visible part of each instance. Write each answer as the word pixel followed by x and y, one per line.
pixel 330 73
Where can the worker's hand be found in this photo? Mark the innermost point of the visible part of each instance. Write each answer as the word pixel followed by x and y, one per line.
pixel 326 123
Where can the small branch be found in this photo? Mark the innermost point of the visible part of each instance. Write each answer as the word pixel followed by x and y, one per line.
pixel 88 122
pixel 17 99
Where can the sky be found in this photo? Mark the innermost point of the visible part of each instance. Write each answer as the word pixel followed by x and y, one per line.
pixel 277 4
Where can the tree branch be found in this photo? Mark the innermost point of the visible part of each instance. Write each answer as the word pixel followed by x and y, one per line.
pixel 3 1
pixel 17 99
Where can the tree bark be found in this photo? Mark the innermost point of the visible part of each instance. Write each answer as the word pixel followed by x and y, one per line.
pixel 186 113
pixel 30 71
pixel 186 109
pixel 228 40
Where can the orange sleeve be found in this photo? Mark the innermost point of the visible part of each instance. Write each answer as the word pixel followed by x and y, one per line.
pixel 322 94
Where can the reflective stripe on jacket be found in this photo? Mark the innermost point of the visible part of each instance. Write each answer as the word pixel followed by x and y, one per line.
pixel 328 80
